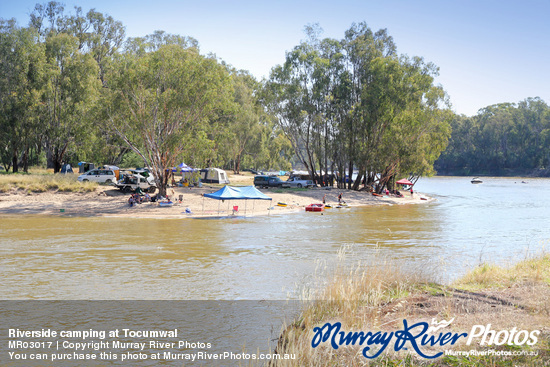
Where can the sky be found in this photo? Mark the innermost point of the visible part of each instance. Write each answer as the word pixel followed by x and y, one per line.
pixel 487 51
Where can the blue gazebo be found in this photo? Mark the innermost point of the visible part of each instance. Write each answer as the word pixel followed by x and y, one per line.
pixel 237 193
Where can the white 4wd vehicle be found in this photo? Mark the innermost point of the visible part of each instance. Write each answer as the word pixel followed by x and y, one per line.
pixel 98 175
pixel 145 173
pixel 131 183
pixel 296 182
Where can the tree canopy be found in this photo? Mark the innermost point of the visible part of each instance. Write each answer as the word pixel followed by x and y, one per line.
pixel 73 87
pixel 502 139
pixel 356 104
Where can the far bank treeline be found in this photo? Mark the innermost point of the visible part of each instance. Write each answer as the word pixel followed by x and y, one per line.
pixel 502 140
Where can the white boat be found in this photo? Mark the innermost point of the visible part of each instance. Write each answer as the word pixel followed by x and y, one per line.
pixel 476 180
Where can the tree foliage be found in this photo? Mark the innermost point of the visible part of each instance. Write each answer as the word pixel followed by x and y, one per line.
pixel 501 139
pixel 355 104
pixel 21 81
pixel 159 103
pixel 70 80
pixel 72 88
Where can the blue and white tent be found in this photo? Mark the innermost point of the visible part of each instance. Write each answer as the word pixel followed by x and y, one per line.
pixel 237 193
pixel 183 168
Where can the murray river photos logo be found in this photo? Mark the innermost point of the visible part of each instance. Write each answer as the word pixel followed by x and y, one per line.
pixel 417 336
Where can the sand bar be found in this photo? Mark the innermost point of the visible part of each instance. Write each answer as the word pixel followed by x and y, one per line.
pixel 109 201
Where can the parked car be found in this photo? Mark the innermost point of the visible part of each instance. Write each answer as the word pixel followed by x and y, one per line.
pixel 268 181
pixel 131 183
pixel 297 182
pixel 145 173
pixel 98 175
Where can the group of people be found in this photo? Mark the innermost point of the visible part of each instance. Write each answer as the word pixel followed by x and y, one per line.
pixel 136 198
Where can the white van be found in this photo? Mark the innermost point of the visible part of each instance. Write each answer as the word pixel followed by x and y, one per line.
pixel 98 175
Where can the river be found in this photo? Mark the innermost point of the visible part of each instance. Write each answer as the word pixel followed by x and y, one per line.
pixel 261 258
pixel 268 257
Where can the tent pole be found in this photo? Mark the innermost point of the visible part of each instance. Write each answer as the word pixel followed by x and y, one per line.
pixel 218 207
pixel 245 207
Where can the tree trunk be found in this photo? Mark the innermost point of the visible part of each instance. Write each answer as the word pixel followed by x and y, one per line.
pixel 49 158
pixel 237 164
pixel 359 179
pixel 14 163
pixel 350 173
pixel 26 160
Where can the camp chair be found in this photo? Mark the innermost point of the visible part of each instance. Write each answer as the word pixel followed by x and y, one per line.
pixel 235 209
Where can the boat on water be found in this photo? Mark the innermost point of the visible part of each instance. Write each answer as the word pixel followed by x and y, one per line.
pixel 315 208
pixel 476 180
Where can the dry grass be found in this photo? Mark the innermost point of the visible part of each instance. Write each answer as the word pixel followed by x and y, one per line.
pixel 35 182
pixel 362 287
pixel 359 297
pixel 492 276
pixel 380 295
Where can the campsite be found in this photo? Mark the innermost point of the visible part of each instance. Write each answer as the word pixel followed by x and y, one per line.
pixel 106 200
pixel 275 184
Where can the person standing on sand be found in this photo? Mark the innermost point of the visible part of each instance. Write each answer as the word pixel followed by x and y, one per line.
pixel 324 199
pixel 340 198
pixel 412 192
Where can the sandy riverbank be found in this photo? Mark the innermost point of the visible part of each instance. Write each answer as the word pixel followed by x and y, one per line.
pixel 108 201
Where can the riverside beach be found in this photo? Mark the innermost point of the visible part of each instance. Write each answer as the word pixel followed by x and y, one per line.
pixel 109 201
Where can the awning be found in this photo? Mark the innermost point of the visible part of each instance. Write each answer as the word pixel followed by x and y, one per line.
pixel 404 182
pixel 238 193
pixel 183 168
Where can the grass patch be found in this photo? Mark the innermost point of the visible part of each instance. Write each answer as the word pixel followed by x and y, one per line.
pixel 355 296
pixel 379 296
pixel 44 182
pixel 492 276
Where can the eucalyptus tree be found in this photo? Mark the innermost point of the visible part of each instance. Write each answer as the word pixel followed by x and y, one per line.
pixel 72 42
pixel 71 90
pixel 413 125
pixel 275 149
pixel 48 18
pixel 152 42
pixel 299 94
pixel 22 79
pixel 245 127
pixel 105 38
pixel 419 132
pixel 159 103
pixel 367 56
pixel 359 104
